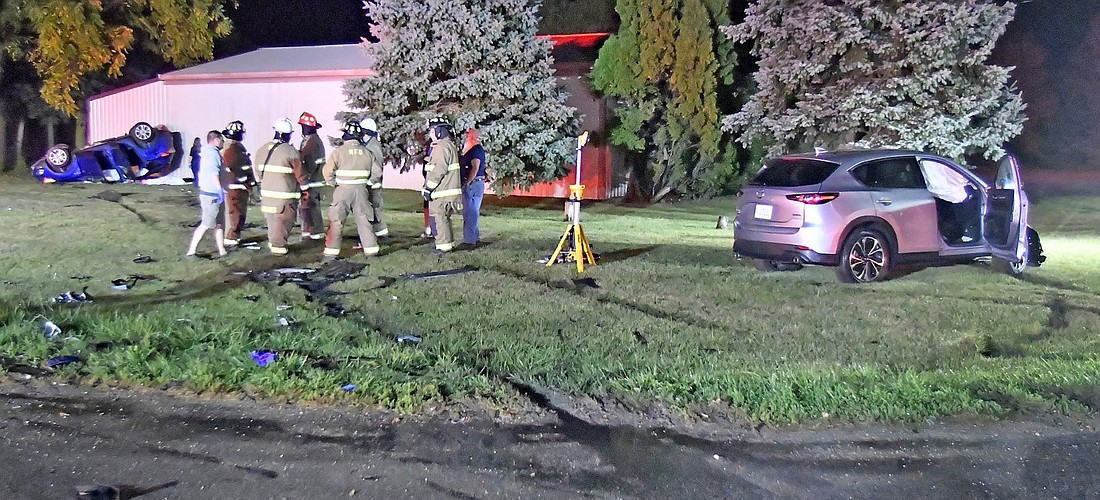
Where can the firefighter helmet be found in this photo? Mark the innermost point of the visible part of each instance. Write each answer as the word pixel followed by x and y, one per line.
pixel 352 127
pixel 283 126
pixel 369 125
pixel 441 128
pixel 309 120
pixel 234 130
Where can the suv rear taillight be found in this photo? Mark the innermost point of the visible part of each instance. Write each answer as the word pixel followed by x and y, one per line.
pixel 813 198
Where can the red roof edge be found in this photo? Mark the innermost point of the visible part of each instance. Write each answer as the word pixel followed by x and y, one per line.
pixel 585 40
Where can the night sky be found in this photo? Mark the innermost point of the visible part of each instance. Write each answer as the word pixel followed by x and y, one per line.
pixel 1045 43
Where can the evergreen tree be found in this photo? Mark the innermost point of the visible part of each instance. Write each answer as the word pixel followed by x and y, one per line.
pixel 908 74
pixel 670 71
pixel 476 64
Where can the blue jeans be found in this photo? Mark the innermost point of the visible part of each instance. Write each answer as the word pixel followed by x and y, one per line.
pixel 471 208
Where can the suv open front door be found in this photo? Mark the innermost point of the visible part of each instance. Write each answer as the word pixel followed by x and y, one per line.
pixel 1006 215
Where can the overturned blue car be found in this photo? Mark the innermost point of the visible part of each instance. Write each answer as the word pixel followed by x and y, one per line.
pixel 145 152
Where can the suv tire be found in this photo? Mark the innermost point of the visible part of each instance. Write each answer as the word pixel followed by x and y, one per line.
pixel 865 257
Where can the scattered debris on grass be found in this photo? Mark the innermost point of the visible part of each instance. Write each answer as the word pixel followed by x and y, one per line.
pixel 264 358
pixel 61 361
pixel 80 277
pixel 50 329
pixel 71 297
pixel 438 274
pixel 251 298
pixel 284 321
pixel 348 387
pixel 408 339
pixel 143 259
pixel 638 337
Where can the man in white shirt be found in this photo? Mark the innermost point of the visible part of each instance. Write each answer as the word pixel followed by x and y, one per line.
pixel 211 194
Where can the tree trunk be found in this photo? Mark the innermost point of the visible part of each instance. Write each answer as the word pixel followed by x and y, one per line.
pixel 81 138
pixel 20 129
pixel 51 132
pixel 3 137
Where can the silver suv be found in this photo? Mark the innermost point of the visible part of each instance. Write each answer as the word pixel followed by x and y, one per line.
pixel 867 211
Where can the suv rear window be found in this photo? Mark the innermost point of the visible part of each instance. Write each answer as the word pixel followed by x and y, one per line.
pixel 792 172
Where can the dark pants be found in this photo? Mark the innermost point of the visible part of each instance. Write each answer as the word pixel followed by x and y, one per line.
pixel 236 206
pixel 310 213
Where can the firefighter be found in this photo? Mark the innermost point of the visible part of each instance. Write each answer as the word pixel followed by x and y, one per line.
pixel 239 179
pixel 370 129
pixel 312 152
pixel 283 183
pixel 442 184
pixel 353 169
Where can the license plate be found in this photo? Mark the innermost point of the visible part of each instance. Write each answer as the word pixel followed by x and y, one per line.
pixel 763 212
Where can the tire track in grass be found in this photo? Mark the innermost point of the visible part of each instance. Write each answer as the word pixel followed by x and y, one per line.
pixel 580 290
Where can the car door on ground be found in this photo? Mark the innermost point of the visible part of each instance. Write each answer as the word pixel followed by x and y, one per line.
pixel 901 198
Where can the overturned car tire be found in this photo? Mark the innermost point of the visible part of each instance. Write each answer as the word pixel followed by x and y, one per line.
pixel 58 157
pixel 141 132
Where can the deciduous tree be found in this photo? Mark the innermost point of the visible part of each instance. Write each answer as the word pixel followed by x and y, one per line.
pixel 69 40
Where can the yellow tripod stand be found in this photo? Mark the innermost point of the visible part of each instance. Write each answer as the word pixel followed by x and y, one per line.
pixel 579 250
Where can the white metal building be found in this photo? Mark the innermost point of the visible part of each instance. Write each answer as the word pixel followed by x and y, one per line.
pixel 257 88
pixel 264 85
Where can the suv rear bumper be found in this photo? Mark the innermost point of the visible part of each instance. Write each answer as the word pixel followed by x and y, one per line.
pixel 781 252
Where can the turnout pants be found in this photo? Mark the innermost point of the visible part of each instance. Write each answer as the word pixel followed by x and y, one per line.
pixel 354 199
pixel 236 207
pixel 441 212
pixel 377 224
pixel 310 214
pixel 279 222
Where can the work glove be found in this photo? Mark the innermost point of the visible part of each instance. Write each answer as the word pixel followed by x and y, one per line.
pixel 427 194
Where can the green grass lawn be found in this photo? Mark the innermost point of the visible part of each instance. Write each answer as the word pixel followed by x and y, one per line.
pixel 676 320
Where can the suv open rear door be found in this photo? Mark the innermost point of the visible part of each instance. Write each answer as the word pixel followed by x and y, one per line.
pixel 1006 214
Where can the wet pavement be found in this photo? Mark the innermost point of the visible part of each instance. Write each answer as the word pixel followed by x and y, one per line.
pixel 58 437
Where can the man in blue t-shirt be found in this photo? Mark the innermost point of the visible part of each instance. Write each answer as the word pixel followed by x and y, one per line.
pixel 211 193
pixel 473 186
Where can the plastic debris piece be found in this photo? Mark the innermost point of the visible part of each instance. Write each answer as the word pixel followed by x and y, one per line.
pixel 251 298
pixel 143 259
pixel 121 284
pixel 335 310
pixel 62 360
pixel 282 307
pixel 295 270
pixel 70 297
pixel 408 339
pixel 264 358
pixel 50 328
pixel 284 321
pixel 437 274
pixel 348 387
pixel 101 492
pixel 80 277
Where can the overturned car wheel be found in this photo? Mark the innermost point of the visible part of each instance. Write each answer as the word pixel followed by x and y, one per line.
pixel 141 132
pixel 58 157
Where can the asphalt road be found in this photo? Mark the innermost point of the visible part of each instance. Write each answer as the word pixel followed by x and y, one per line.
pixel 58 437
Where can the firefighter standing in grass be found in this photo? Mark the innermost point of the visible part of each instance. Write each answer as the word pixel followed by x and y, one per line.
pixel 283 183
pixel 352 168
pixel 442 184
pixel 312 152
pixel 239 179
pixel 370 131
